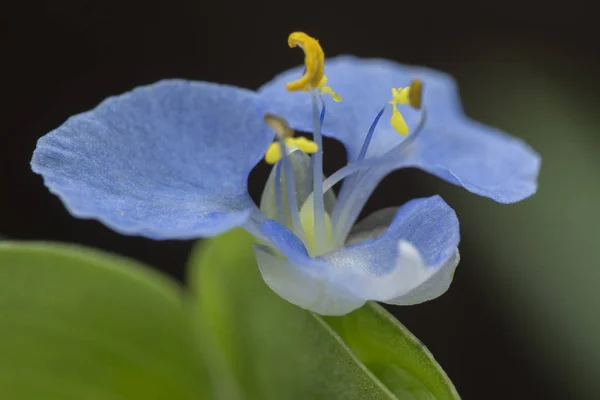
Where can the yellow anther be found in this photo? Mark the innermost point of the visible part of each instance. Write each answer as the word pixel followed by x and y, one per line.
pixel 314 62
pixel 303 144
pixel 398 121
pixel 283 131
pixel 399 96
pixel 273 153
pixel 416 93
pixel 410 95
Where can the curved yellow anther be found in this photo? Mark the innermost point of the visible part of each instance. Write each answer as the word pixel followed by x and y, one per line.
pixel 314 62
pixel 285 132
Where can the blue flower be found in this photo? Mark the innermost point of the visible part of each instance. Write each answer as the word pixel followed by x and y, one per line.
pixel 171 160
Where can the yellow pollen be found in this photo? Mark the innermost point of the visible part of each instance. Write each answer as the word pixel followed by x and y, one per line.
pixel 323 88
pixel 273 153
pixel 285 132
pixel 398 121
pixel 410 95
pixel 305 145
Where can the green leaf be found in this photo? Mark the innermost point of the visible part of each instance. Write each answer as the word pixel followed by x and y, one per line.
pixel 276 350
pixel 81 324
pixel 393 354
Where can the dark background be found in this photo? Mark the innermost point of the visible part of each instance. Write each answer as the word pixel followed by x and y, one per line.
pixel 504 330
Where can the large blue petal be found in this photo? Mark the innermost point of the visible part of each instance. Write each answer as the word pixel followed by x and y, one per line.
pixel 168 160
pixel 484 160
pixel 479 158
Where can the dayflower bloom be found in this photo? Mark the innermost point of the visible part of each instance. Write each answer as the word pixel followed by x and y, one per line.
pixel 171 161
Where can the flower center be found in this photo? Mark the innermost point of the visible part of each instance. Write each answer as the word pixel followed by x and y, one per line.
pixel 306 214
pixel 307 219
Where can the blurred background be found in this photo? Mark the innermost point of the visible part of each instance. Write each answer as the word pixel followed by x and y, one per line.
pixel 521 318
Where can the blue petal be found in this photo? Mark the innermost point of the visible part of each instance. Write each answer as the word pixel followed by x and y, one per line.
pixel 168 160
pixel 479 158
pixel 286 242
pixel 484 160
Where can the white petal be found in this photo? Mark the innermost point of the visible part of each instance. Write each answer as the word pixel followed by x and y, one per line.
pixel 411 281
pixel 308 289
pixel 434 285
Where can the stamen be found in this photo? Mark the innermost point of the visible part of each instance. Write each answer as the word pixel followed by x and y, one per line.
pixel 317 160
pixel 273 153
pixel 323 88
pixel 409 95
pixel 350 186
pixel 416 93
pixel 278 194
pixel 290 184
pixel 283 131
pixel 303 144
pixel 365 146
pixel 313 77
pixel 350 209
pixel 398 121
pixel 279 125
pixel 322 116
pixel 314 60
pixel 315 81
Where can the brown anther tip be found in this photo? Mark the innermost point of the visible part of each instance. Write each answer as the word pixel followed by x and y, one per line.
pixel 279 125
pixel 416 93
